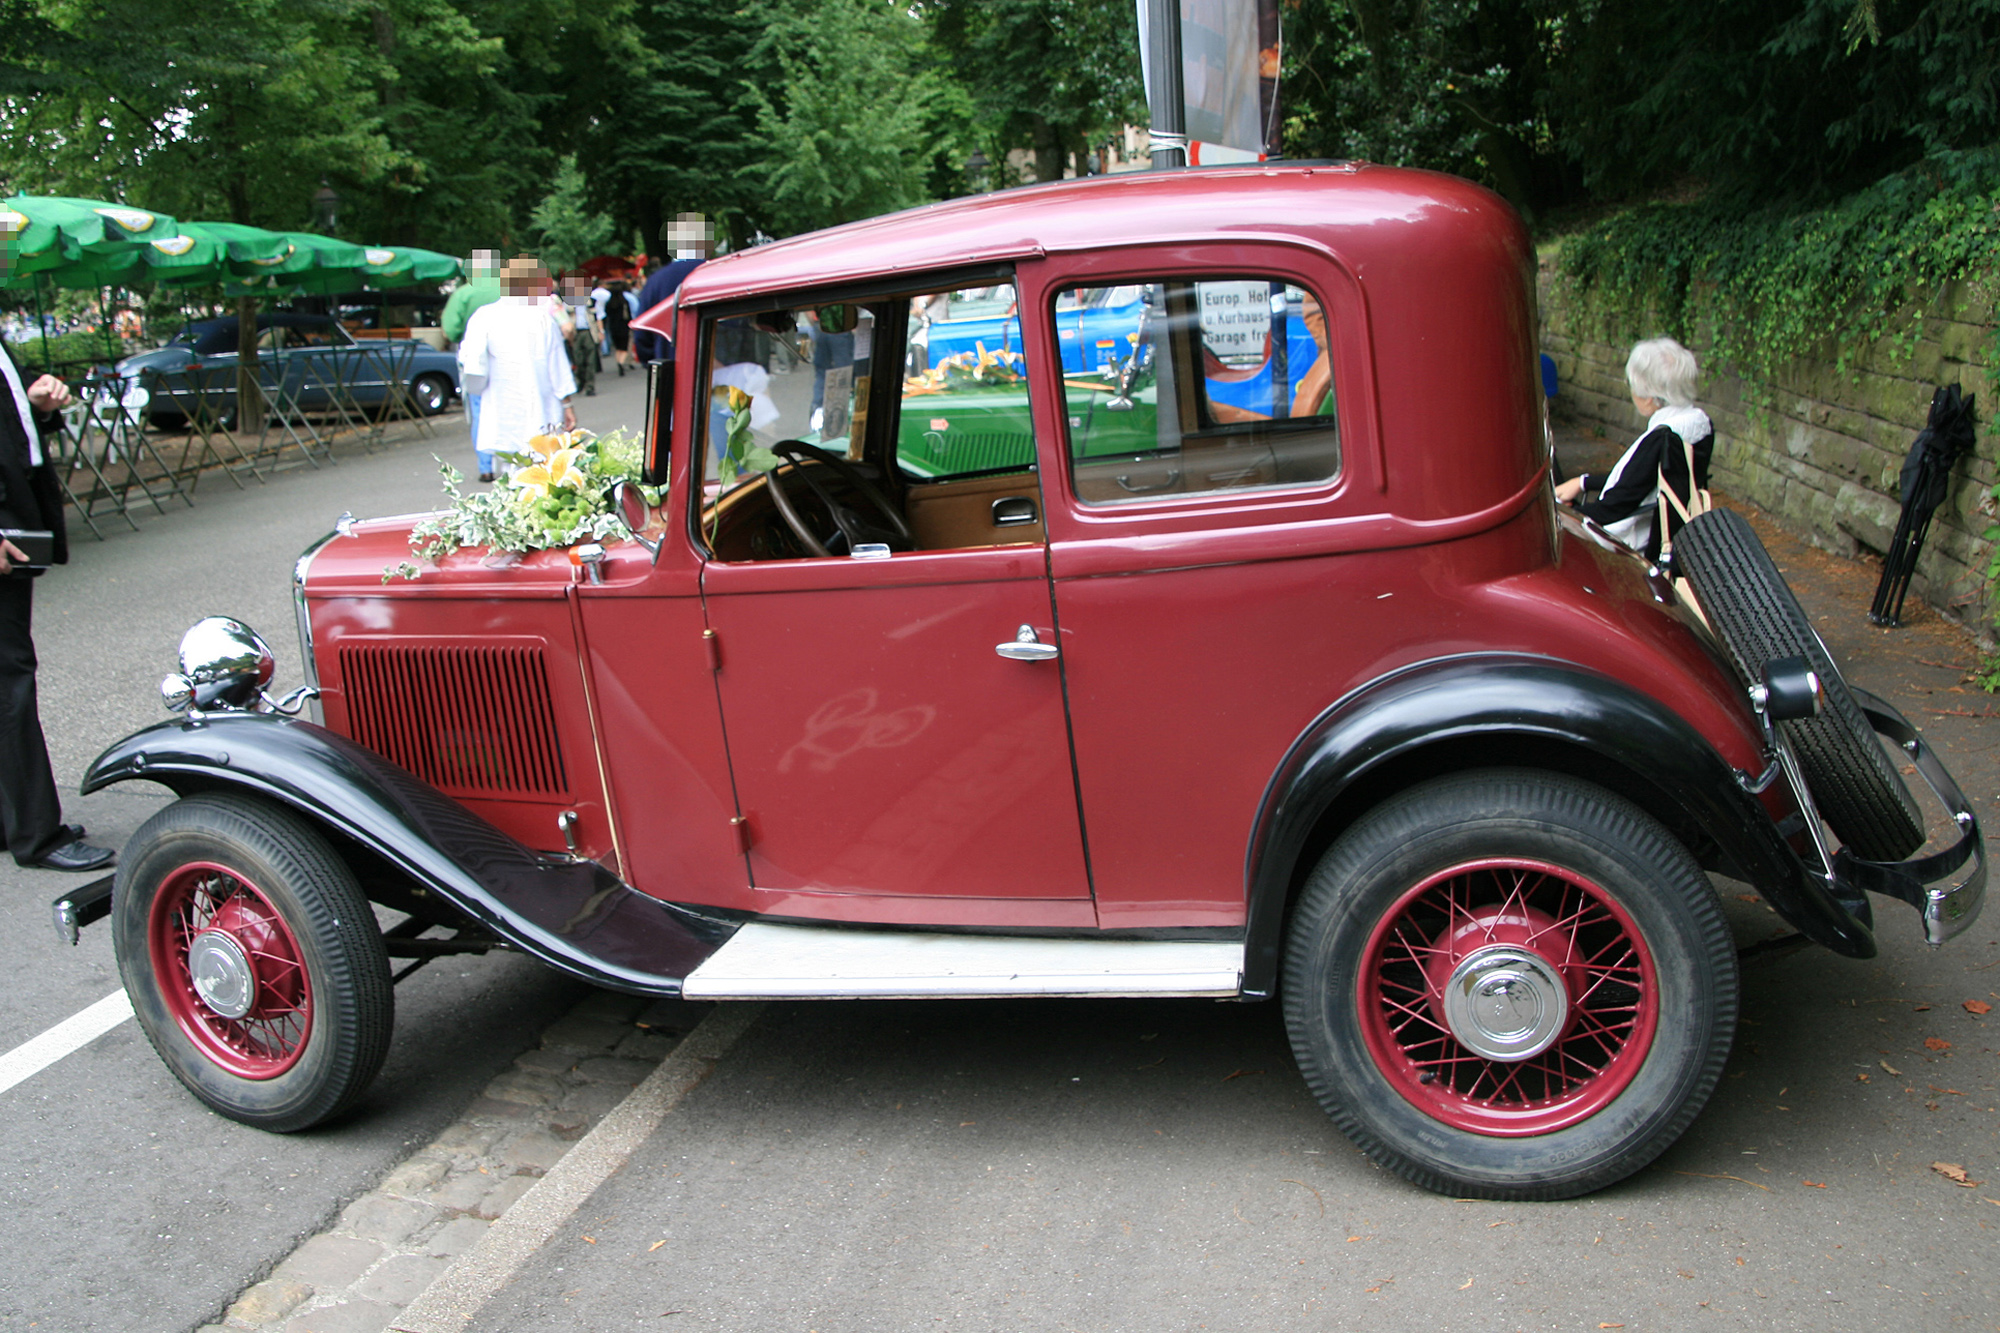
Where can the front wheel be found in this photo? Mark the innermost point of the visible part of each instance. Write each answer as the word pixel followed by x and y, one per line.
pixel 253 961
pixel 1510 985
pixel 431 393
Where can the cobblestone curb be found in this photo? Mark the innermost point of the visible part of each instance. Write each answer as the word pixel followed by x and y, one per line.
pixel 391 1244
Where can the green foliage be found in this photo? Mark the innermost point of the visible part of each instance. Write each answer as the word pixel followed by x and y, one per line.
pixel 558 493
pixel 684 124
pixel 843 121
pixel 1771 286
pixel 1050 76
pixel 1556 102
pixel 568 231
pixel 438 122
pixel 36 354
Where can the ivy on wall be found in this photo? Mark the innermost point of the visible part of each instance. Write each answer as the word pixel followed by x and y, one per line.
pixel 1770 287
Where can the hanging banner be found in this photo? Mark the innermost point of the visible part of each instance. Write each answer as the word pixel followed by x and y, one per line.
pixel 1230 53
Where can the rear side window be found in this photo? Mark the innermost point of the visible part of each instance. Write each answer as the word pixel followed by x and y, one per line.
pixel 1190 386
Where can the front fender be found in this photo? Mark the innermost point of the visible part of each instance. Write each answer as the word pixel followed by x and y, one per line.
pixel 1523 705
pixel 575 915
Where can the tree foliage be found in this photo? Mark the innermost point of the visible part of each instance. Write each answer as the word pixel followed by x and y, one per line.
pixel 1050 76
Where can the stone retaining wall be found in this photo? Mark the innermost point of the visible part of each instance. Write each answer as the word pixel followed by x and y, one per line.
pixel 1820 449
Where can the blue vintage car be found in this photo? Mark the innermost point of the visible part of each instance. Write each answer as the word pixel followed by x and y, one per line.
pixel 307 363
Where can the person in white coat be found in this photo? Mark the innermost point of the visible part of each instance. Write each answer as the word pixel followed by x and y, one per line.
pixel 515 354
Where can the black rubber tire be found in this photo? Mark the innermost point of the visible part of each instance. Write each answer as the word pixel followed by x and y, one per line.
pixel 431 393
pixel 345 962
pixel 1754 613
pixel 1507 814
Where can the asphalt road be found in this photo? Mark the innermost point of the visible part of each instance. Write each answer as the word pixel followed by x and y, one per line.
pixel 1060 1165
pixel 125 1205
pixel 1122 1166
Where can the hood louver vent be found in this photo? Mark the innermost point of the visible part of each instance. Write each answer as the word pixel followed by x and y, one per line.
pixel 474 720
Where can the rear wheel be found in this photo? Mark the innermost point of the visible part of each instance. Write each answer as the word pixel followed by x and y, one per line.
pixel 253 961
pixel 1511 985
pixel 1855 787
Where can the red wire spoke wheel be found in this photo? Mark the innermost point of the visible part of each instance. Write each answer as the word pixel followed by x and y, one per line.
pixel 231 973
pixel 253 961
pixel 1506 997
pixel 1510 984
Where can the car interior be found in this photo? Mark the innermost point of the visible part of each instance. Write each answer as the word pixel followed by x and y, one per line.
pixel 877 424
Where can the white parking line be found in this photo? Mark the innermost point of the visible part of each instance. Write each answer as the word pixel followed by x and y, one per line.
pixel 35 1054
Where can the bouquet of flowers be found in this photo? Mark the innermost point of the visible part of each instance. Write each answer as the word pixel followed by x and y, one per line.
pixel 556 492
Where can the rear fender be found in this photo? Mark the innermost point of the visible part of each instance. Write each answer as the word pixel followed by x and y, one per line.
pixel 572 914
pixel 1511 705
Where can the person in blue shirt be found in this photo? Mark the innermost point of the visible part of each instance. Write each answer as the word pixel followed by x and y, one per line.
pixel 690 237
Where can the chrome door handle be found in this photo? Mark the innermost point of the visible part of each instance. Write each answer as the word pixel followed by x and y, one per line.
pixel 1027 648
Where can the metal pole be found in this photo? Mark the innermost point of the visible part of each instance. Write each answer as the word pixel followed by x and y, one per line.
pixel 1169 97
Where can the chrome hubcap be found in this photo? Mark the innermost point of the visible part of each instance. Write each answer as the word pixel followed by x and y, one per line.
pixel 222 974
pixel 1505 1002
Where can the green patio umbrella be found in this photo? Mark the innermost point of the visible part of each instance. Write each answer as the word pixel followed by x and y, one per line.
pixel 41 233
pixel 395 266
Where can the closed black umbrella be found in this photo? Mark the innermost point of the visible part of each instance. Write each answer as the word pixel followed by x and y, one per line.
pixel 1926 476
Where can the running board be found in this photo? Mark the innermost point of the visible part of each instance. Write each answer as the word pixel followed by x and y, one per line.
pixel 765 961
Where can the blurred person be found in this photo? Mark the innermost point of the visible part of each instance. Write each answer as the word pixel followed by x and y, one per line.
pixel 690 237
pixel 515 356
pixel 480 288
pixel 31 500
pixel 585 332
pixel 618 312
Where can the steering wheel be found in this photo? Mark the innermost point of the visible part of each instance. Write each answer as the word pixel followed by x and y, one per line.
pixel 852 525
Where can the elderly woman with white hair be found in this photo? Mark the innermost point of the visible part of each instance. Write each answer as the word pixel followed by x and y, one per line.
pixel 1661 375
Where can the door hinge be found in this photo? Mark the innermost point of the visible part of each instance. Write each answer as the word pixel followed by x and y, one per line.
pixel 740 826
pixel 712 644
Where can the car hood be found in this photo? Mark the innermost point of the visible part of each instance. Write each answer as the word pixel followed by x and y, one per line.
pixel 160 358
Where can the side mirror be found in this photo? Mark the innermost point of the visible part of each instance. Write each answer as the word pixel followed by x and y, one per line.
pixel 633 514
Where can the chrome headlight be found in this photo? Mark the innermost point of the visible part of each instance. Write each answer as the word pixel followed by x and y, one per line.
pixel 223 662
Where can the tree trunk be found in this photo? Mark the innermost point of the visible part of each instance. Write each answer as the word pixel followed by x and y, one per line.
pixel 249 387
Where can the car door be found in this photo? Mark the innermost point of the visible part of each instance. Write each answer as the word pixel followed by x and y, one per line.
pixel 1195 546
pixel 895 718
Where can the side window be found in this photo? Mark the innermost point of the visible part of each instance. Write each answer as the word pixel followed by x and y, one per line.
pixel 773 376
pixel 965 391
pixel 1194 386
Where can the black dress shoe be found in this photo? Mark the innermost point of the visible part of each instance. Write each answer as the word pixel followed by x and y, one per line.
pixel 76 854
pixel 486 476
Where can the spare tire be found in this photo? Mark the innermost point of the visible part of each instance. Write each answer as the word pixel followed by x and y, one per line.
pixel 1753 611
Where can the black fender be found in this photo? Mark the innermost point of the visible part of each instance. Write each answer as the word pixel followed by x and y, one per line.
pixel 572 914
pixel 1509 710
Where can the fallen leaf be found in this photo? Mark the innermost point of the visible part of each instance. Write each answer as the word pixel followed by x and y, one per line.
pixel 1491 1225
pixel 1611 1325
pixel 1955 1173
pixel 965 1123
pixel 1949 1092
pixel 1707 1176
pixel 1936 1044
pixel 1684 1273
pixel 654 1246
pixel 1889 1068
pixel 1978 1007
pixel 1468 1284
pixel 1352 1239
pixel 1861 1078
pixel 1748 898
pixel 590 1240
pixel 1739 1261
pixel 1921 1009
pixel 1812 1184
pixel 1241 1073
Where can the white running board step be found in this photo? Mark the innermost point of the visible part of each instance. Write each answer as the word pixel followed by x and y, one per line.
pixel 767 961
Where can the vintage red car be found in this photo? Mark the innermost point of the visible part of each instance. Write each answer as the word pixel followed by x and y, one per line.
pixel 1256 662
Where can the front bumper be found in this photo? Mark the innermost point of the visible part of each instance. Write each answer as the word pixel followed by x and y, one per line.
pixel 1948 887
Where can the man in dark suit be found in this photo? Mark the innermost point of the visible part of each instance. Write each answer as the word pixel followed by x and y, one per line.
pixel 30 499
